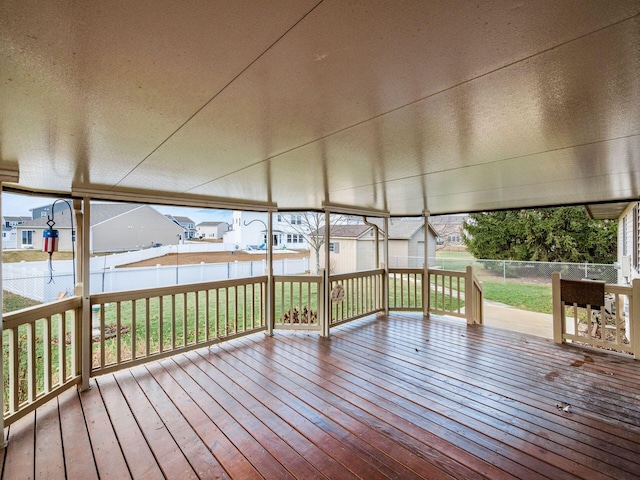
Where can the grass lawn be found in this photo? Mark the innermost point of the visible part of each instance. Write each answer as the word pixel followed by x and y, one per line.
pixel 15 256
pixel 12 302
pixel 535 298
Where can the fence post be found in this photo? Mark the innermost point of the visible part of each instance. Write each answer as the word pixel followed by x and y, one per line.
pixel 558 317
pixel 468 294
pixel 634 318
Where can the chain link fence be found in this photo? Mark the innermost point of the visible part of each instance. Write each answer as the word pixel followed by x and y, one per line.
pixel 511 270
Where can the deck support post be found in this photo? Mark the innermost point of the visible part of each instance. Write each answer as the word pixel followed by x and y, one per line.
pixel 469 301
pixel 4 440
pixel 558 317
pixel 82 210
pixel 426 297
pixel 385 259
pixel 634 318
pixel 270 320
pixel 326 291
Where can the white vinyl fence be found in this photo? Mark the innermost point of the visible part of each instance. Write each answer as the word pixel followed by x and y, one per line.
pixel 32 279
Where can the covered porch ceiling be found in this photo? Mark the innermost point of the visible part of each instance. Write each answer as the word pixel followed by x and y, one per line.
pixel 390 106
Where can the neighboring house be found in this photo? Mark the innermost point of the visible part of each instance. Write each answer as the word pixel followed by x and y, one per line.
pixel 187 225
pixel 9 237
pixel 353 248
pixel 45 210
pixel 114 227
pixel 212 230
pixel 9 234
pixel 10 222
pixel 449 230
pixel 249 230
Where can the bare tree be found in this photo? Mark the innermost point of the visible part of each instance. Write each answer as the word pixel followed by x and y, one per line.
pixel 311 226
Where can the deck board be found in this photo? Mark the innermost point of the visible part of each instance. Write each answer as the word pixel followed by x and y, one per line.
pixel 385 397
pixel 49 457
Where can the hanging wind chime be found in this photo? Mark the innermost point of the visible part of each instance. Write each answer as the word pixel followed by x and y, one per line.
pixel 50 243
pixel 51 237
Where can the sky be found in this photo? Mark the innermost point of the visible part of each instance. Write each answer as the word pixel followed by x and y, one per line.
pixel 20 205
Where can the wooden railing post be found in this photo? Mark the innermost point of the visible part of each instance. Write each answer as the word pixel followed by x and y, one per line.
pixel 468 295
pixel 326 291
pixel 82 209
pixel 558 317
pixel 271 294
pixel 634 318
pixel 426 288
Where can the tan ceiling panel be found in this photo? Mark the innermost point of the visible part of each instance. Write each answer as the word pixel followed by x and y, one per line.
pixel 399 106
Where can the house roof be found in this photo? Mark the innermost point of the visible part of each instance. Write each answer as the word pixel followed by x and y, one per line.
pixel 180 219
pixel 436 106
pixel 210 224
pixel 100 212
pixel 8 218
pixel 345 231
pixel 401 228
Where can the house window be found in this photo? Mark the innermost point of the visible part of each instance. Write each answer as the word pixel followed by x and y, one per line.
pixel 296 219
pixel 27 238
pixel 43 214
pixel 334 247
pixel 294 238
pixel 279 217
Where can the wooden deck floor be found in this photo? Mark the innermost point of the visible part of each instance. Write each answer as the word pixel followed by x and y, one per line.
pixel 397 397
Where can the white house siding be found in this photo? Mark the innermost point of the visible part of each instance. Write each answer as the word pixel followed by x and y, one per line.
pixel 628 241
pixel 138 228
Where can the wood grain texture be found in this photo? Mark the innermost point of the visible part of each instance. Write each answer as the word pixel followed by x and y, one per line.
pixel 384 397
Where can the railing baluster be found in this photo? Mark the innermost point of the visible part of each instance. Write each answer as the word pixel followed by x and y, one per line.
pixel 161 323
pixel 46 353
pixel 62 349
pixel 31 362
pixel 185 331
pixel 133 330
pixel 174 326
pixel 14 377
pixel 147 336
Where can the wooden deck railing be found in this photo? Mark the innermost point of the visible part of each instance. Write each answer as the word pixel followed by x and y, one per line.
pixel 614 326
pixel 362 295
pixel 457 294
pixel 136 326
pixel 405 289
pixel 298 304
pixel 41 347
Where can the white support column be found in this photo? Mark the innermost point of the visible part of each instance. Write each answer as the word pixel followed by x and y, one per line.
pixel 270 283
pixel 635 318
pixel 385 254
pixel 558 313
pixel 83 241
pixel 326 294
pixel 4 440
pixel 426 288
pixel 469 300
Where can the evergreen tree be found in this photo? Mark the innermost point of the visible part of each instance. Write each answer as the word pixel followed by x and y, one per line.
pixel 562 234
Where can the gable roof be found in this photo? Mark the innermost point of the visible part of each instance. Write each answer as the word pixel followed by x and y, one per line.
pixel 179 219
pixel 210 224
pixel 346 231
pixel 100 212
pixel 9 218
